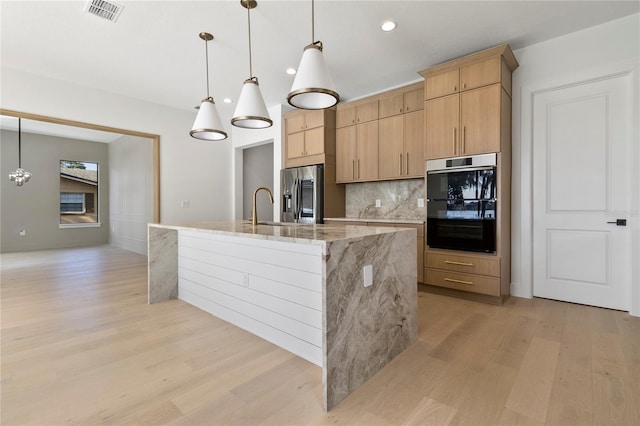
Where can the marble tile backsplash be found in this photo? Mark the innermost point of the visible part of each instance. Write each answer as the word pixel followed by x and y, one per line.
pixel 398 199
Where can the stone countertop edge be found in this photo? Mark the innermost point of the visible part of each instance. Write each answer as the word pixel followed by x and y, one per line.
pixel 372 220
pixel 317 234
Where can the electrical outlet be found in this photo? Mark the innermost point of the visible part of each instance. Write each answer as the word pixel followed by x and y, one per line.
pixel 377 203
pixel 420 202
pixel 367 275
pixel 186 204
pixel 22 232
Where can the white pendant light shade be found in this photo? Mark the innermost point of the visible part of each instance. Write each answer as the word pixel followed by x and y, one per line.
pixel 208 125
pixel 313 87
pixel 251 111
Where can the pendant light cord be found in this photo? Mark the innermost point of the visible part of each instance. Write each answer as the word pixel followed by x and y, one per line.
pixel 206 55
pixel 313 20
pixel 249 24
pixel 19 143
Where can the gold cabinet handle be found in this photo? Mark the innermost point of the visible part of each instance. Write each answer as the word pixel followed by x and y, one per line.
pixel 406 170
pixel 464 134
pixel 455 88
pixel 358 168
pixel 353 169
pixel 451 280
pixel 452 262
pixel 454 140
pixel 464 85
pixel 400 165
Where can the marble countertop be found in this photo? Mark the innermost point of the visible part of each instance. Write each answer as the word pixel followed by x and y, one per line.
pixel 371 220
pixel 290 232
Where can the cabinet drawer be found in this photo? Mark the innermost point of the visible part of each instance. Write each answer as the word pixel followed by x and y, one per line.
pixel 465 282
pixel 466 264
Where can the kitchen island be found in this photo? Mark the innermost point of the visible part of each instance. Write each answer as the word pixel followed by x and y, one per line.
pixel 341 297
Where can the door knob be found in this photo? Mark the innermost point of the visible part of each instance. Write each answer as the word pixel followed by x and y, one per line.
pixel 620 222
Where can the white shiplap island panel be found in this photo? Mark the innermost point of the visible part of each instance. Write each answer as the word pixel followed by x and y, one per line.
pixel 268 288
pixel 300 287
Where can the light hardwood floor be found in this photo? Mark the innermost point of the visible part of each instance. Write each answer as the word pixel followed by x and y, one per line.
pixel 80 345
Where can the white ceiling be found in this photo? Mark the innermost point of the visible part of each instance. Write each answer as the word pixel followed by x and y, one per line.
pixel 153 51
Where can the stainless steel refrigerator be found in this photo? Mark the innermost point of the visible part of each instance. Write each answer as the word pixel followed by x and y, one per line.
pixel 302 194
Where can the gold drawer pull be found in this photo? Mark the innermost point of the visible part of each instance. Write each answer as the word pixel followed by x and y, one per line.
pixel 451 262
pixel 451 280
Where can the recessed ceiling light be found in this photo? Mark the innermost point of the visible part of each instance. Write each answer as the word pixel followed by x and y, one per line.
pixel 291 71
pixel 227 100
pixel 388 26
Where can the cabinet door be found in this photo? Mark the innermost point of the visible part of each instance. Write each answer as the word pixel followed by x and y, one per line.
pixel 413 100
pixel 442 84
pixel 367 151
pixel 367 111
pixel 480 120
pixel 392 105
pixel 414 144
pixel 313 119
pixel 295 145
pixel 441 130
pixel 314 141
pixel 345 154
pixel 345 116
pixel 295 122
pixel 390 147
pixel 479 74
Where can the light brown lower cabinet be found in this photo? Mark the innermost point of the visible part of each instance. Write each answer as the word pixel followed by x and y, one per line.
pixel 470 273
pixel 420 237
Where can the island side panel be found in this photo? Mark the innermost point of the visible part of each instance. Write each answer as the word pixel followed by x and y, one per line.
pixel 367 327
pixel 162 264
pixel 272 289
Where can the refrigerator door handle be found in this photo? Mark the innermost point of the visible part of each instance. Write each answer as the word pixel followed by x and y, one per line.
pixel 294 197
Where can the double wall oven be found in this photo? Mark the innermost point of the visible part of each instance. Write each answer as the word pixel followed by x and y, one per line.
pixel 461 203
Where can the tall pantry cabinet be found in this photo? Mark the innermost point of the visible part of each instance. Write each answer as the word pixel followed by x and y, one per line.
pixel 467 111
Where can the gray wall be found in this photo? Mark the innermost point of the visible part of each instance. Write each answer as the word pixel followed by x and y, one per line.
pixel 257 170
pixel 35 206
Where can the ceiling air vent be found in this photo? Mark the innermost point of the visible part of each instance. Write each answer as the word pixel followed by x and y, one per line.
pixel 104 9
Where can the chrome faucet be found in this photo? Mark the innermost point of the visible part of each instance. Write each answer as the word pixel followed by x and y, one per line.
pixel 254 217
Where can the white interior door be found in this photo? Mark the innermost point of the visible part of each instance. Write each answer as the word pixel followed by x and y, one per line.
pixel 581 182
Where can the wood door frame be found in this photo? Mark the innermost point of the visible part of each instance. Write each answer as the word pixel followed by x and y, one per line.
pixel 522 284
pixel 155 140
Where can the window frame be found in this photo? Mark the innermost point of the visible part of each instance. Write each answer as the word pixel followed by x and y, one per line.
pixel 97 223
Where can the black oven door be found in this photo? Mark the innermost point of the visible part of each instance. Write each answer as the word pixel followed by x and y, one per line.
pixel 461 210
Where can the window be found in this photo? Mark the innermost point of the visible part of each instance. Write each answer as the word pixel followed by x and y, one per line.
pixel 71 202
pixel 78 193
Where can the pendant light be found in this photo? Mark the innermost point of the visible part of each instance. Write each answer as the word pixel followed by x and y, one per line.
pixel 20 176
pixel 313 86
pixel 251 112
pixel 208 125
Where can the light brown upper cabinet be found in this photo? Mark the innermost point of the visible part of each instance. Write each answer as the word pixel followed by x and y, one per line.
pixel 357 152
pixel 466 123
pixel 468 104
pixel 401 103
pixel 393 147
pixel 360 112
pixel 310 137
pixel 401 146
